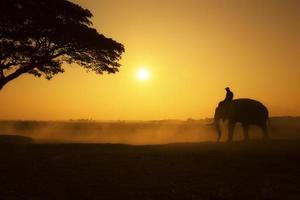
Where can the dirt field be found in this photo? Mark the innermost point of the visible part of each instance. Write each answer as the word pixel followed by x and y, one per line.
pixel 254 170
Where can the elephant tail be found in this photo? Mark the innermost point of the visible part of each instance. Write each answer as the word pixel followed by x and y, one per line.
pixel 268 122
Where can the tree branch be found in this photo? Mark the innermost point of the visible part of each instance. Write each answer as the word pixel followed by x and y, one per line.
pixel 17 73
pixel 25 69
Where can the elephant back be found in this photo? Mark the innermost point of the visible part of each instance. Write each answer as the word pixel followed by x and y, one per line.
pixel 248 111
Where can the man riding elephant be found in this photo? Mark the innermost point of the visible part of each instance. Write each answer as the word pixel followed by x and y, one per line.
pixel 245 111
pixel 226 102
pixel 229 95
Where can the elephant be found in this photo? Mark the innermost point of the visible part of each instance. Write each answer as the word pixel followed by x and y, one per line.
pixel 246 111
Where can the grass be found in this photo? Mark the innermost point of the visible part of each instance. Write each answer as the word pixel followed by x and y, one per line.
pixel 253 170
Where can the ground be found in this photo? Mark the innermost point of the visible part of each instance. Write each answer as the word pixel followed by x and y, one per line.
pixel 253 170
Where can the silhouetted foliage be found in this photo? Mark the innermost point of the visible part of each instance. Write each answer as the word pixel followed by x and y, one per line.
pixel 37 36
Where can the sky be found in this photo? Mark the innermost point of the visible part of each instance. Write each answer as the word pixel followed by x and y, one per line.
pixel 191 50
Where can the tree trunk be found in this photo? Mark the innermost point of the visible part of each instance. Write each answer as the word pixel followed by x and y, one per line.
pixel 1 85
pixel 1 79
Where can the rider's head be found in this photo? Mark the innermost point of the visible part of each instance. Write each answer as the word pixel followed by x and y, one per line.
pixel 227 89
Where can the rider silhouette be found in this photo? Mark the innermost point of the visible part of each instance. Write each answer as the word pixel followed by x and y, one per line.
pixel 229 95
pixel 226 102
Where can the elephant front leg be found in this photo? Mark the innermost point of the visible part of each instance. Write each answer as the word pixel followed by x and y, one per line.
pixel 231 126
pixel 245 130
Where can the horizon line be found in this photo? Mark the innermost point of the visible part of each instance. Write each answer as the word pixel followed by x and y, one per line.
pixel 127 120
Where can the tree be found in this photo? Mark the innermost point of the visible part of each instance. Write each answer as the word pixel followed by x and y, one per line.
pixel 38 36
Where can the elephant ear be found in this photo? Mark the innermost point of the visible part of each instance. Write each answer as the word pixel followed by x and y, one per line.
pixel 224 108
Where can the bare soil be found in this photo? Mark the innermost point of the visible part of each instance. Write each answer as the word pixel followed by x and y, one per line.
pixel 253 170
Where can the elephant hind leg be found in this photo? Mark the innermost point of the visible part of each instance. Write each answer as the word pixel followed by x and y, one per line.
pixel 245 130
pixel 231 126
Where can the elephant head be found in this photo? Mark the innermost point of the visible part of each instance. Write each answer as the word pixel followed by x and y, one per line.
pixel 220 114
pixel 217 118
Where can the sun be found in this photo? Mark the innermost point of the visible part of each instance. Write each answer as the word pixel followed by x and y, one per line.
pixel 143 74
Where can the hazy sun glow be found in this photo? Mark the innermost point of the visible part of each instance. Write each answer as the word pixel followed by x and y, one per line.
pixel 143 74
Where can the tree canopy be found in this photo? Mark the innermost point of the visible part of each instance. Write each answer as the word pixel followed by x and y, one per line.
pixel 38 36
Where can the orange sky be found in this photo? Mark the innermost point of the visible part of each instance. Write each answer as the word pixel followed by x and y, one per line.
pixel 193 50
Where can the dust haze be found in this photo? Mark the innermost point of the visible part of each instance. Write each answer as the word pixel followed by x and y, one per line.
pixel 140 132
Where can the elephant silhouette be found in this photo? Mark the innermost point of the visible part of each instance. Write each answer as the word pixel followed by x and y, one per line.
pixel 246 111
